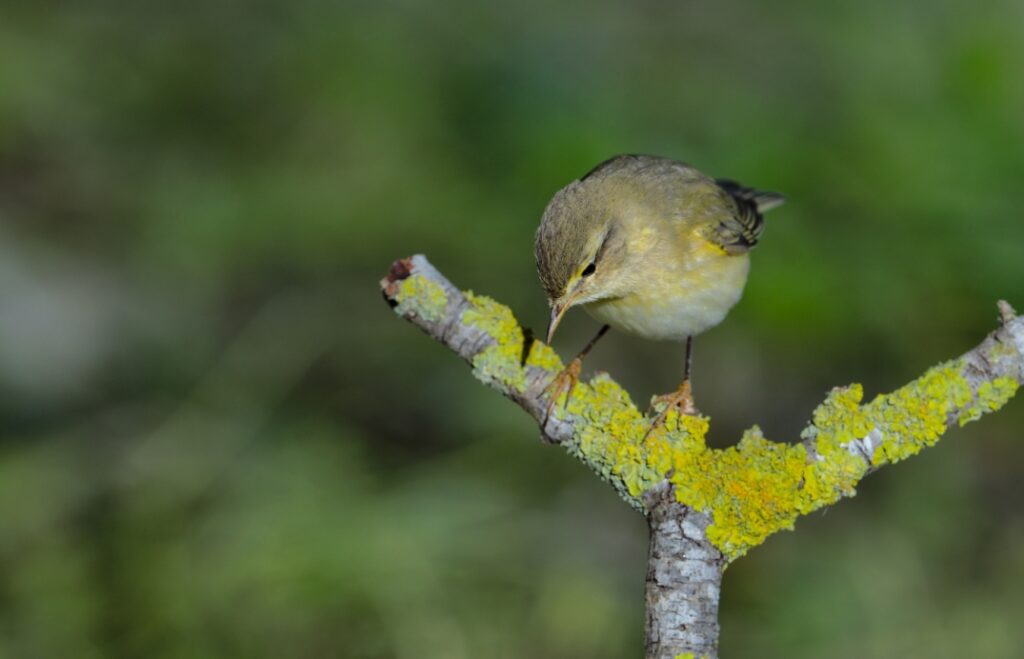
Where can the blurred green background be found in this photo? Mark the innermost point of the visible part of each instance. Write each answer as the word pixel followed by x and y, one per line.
pixel 217 441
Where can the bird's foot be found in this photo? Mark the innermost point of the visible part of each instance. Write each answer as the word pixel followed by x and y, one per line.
pixel 564 382
pixel 680 400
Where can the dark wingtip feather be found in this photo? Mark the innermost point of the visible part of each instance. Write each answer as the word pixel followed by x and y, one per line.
pixel 768 200
pixel 762 199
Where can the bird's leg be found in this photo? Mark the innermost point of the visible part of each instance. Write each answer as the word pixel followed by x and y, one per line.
pixel 570 375
pixel 682 398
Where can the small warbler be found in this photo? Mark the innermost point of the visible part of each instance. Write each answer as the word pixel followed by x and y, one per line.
pixel 649 246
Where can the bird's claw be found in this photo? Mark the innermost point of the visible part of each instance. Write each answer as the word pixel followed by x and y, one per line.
pixel 565 381
pixel 680 400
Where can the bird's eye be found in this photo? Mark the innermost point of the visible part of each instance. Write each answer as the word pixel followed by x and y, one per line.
pixel 589 270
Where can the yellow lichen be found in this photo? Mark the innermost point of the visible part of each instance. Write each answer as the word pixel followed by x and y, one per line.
pixel 990 397
pixel 493 318
pixel 609 442
pixel 542 356
pixel 750 490
pixel 421 296
pixel 915 415
pixel 501 362
pixel 835 470
pixel 757 487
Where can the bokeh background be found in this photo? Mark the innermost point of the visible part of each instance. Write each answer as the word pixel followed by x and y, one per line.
pixel 217 441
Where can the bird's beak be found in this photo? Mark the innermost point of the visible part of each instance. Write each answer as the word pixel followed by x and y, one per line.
pixel 557 311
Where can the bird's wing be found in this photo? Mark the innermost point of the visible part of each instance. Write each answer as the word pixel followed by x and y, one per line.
pixel 737 232
pixel 729 213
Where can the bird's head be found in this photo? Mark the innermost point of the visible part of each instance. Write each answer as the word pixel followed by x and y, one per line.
pixel 580 249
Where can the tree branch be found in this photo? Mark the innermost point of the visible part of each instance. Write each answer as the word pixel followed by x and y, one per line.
pixel 707 507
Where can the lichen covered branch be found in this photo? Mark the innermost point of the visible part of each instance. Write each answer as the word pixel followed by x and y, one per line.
pixel 747 491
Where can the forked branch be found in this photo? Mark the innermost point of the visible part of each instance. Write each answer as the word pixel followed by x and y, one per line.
pixel 707 507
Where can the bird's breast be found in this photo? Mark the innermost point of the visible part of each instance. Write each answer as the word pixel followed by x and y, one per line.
pixel 674 303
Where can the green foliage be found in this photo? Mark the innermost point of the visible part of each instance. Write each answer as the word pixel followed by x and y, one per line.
pixel 218 442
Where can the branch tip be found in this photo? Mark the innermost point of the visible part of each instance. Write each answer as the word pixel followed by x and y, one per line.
pixel 399 270
pixel 1006 312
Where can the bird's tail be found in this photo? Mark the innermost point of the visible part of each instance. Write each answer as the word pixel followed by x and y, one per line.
pixel 763 200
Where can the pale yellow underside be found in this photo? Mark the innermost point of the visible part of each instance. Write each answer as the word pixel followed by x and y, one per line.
pixel 672 303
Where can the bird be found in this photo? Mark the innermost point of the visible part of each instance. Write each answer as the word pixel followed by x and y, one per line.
pixel 648 246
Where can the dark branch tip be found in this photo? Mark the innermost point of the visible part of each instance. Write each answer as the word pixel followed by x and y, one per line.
pixel 399 270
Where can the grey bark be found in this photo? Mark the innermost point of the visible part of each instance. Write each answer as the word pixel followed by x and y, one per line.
pixel 684 582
